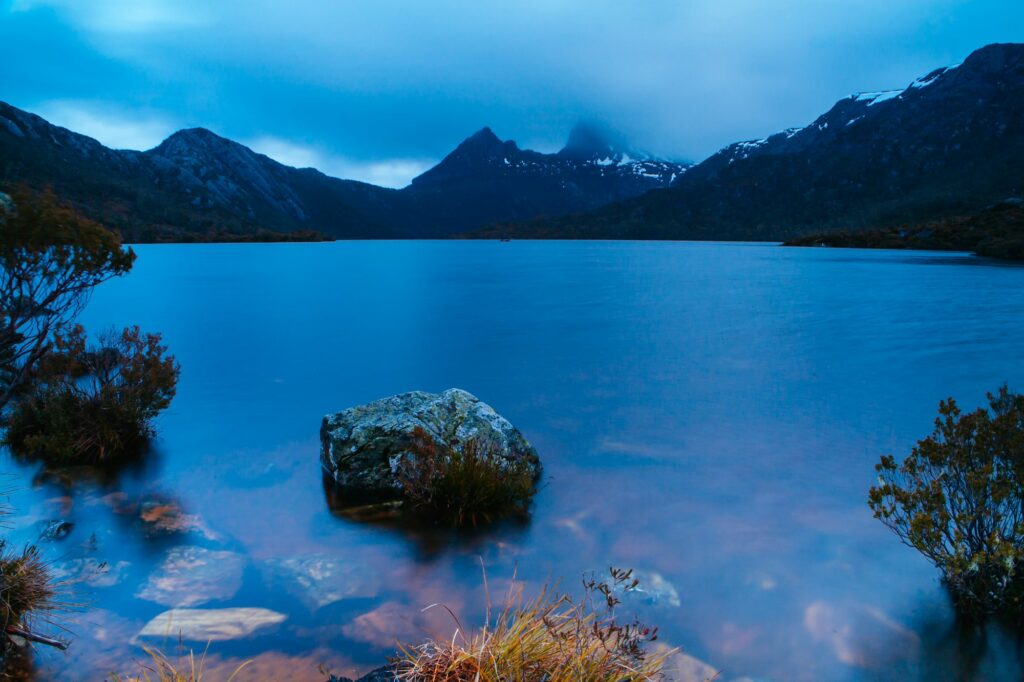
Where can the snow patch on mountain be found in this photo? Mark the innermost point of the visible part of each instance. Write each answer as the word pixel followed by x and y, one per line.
pixel 873 98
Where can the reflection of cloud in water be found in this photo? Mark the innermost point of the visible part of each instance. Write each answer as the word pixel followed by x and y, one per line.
pixel 394 623
pixel 385 626
pixel 862 636
pixel 638 450
pixel 762 581
pixel 734 638
pixel 275 665
pixel 573 525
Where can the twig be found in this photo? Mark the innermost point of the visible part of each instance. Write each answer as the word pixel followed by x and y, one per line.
pixel 32 637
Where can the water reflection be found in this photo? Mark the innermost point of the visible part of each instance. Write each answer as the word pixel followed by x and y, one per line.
pixel 430 540
pixel 707 414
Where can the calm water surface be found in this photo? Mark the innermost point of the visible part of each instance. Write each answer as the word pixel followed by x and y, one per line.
pixel 707 413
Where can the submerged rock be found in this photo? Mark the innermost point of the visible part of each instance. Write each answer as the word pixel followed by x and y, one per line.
pixel 164 516
pixel 362 447
pixel 193 575
pixel 57 529
pixel 318 580
pixel 685 668
pixel 158 515
pixel 92 572
pixel 385 674
pixel 211 625
pixel 655 589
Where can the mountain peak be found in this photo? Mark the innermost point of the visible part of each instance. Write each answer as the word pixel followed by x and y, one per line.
pixel 589 141
pixel 484 143
pixel 193 137
pixel 485 134
pixel 996 57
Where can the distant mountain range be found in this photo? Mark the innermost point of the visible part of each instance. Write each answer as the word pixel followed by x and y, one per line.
pixel 949 144
pixel 196 184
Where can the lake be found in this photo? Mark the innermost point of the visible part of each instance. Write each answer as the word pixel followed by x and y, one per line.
pixel 708 414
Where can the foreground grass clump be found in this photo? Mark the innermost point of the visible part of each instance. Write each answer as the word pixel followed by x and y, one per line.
pixel 551 638
pixel 958 498
pixel 93 404
pixel 160 668
pixel 26 587
pixel 27 594
pixel 466 485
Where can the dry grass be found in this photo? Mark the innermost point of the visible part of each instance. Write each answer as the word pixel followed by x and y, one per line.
pixel 28 595
pixel 550 638
pixel 27 589
pixel 159 668
pixel 467 485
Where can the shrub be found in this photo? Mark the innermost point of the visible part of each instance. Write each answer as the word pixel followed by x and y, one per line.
pixel 551 638
pixel 958 499
pixel 50 259
pixel 94 404
pixel 464 485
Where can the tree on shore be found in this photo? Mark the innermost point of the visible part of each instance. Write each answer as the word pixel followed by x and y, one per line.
pixel 77 403
pixel 958 498
pixel 51 257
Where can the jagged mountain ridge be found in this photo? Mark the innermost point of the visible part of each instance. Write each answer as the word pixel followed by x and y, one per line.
pixel 198 182
pixel 485 177
pixel 948 144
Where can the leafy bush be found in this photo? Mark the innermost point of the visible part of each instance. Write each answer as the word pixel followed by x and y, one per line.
pixel 959 500
pixel 50 259
pixel 464 485
pixel 551 638
pixel 93 404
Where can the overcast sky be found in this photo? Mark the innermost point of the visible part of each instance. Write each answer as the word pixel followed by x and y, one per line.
pixel 378 90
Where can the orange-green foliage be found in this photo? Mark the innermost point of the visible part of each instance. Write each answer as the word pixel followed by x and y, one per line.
pixel 50 259
pixel 465 485
pixel 959 500
pixel 94 404
pixel 550 638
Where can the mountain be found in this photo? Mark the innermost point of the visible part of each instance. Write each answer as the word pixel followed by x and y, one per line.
pixel 196 184
pixel 486 180
pixel 949 144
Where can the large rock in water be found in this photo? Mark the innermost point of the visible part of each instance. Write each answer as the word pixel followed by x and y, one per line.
pixel 362 447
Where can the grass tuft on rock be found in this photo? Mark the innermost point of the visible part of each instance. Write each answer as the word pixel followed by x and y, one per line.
pixel 468 485
pixel 550 638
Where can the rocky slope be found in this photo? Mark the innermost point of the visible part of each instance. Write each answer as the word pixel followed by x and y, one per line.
pixel 949 144
pixel 195 182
